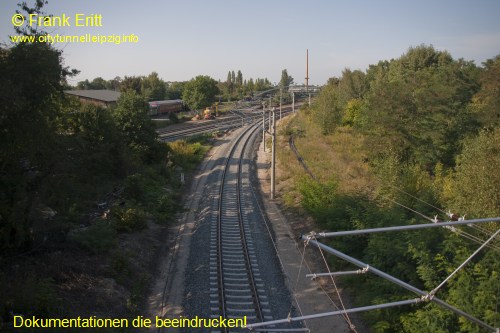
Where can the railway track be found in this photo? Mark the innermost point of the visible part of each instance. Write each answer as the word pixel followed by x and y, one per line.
pixel 237 289
pixel 236 120
pixel 206 126
pixel 234 271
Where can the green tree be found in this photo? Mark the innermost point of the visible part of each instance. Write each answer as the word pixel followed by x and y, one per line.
pixel 250 86
pixel 353 114
pixel 97 144
pixel 420 101
pixel 153 88
pixel 431 319
pixel 83 85
pixel 476 182
pixel 30 29
pixel 262 84
pixel 133 83
pixel 200 92
pixel 239 79
pixel 286 80
pixel 239 84
pixel 326 111
pixel 352 85
pixel 475 291
pixel 175 89
pixel 98 83
pixel 31 78
pixel 136 127
pixel 233 77
pixel 114 84
pixel 229 86
pixel 486 103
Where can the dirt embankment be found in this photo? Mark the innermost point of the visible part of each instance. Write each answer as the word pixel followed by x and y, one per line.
pixel 70 282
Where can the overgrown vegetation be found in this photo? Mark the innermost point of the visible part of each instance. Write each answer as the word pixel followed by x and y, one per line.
pixel 422 133
pixel 77 182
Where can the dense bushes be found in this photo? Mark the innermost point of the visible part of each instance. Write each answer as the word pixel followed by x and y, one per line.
pixel 62 157
pixel 97 238
pixel 421 117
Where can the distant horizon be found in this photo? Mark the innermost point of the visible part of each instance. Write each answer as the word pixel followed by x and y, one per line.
pixel 277 82
pixel 181 40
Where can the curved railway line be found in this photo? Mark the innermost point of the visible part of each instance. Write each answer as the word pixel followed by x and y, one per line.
pixel 235 274
pixel 233 268
pixel 240 285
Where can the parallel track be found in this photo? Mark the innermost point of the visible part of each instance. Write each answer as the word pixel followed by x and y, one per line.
pixel 239 119
pixel 205 126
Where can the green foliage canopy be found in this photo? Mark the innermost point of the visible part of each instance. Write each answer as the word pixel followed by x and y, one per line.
pixel 200 92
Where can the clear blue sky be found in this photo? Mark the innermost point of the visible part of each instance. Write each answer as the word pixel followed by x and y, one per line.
pixel 182 39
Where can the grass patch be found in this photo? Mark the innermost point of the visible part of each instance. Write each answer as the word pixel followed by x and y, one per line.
pixel 97 238
pixel 340 156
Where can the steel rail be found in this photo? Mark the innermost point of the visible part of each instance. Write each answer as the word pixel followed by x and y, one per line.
pixel 242 231
pixel 166 134
pixel 220 265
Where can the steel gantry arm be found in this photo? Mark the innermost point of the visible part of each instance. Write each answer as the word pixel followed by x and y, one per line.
pixel 425 296
pixel 403 227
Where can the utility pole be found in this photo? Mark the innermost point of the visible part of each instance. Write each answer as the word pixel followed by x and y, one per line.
pixel 307 76
pixel 281 98
pixel 293 102
pixel 270 124
pixel 273 157
pixel 264 126
pixel 272 111
pixel 270 103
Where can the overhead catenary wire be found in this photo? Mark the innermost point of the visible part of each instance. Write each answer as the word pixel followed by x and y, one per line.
pixel 459 232
pixel 346 316
pixel 447 213
pixel 425 296
pixel 408 208
pixel 319 284
pixel 433 292
pixel 414 197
